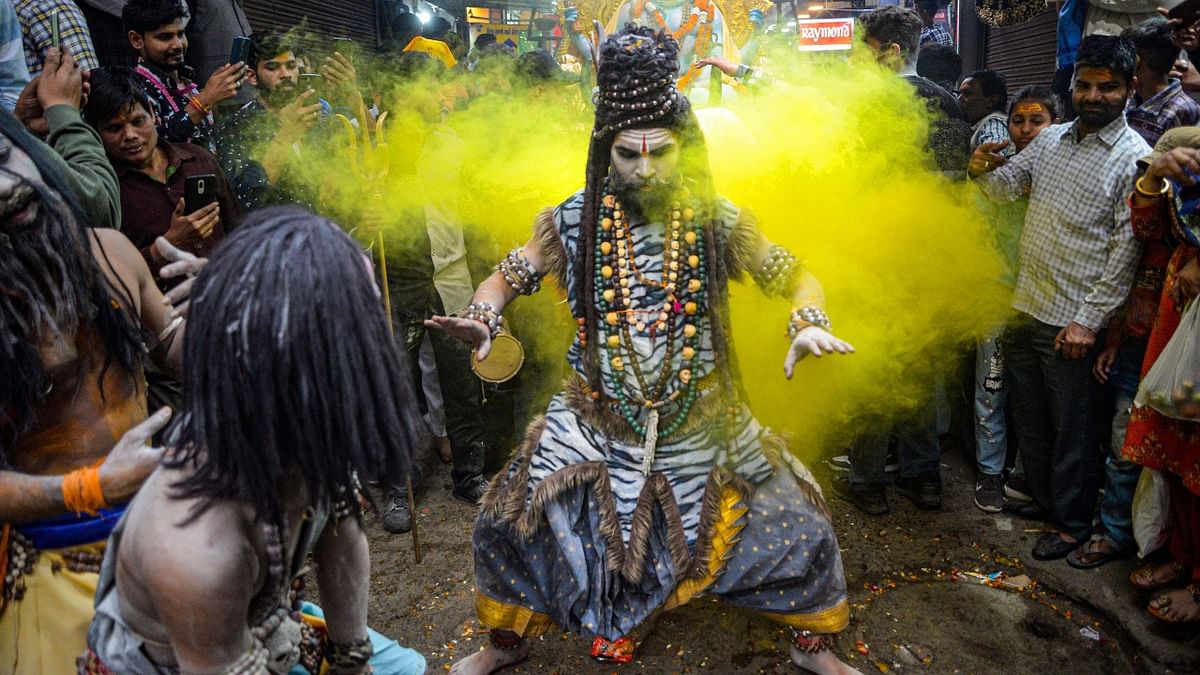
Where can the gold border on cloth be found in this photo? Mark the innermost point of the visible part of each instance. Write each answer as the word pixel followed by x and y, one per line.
pixel 503 616
pixel 832 620
pixel 725 534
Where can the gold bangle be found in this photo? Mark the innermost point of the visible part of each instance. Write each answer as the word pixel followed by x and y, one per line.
pixel 1137 186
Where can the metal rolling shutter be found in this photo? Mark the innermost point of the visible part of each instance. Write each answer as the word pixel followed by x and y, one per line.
pixel 354 19
pixel 1024 53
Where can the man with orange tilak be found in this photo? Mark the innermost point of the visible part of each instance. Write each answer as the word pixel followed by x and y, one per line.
pixel 78 311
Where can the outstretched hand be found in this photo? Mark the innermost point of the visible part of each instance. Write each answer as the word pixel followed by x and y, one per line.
pixel 987 158
pixel 180 263
pixel 468 331
pixel 816 341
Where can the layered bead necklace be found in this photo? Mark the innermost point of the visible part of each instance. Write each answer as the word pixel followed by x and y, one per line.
pixel 683 278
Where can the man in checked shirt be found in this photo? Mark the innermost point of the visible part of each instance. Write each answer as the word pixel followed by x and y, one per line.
pixel 1075 265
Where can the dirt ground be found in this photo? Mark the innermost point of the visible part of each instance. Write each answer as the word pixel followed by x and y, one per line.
pixel 917 590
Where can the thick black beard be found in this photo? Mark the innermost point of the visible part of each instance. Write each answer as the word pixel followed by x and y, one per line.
pixel 641 202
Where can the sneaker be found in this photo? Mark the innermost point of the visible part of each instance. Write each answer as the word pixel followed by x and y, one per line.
pixel 925 493
pixel 397 519
pixel 989 493
pixel 870 499
pixel 842 463
pixel 1015 489
pixel 470 490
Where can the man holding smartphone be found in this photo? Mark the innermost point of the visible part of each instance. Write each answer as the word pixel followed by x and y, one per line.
pixel 256 143
pixel 184 110
pixel 155 174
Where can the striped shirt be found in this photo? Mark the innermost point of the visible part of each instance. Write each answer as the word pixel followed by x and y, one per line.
pixel 1077 252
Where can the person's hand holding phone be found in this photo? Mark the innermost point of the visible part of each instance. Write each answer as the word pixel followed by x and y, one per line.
pixel 61 81
pixel 186 230
pixel 223 84
pixel 298 116
pixel 340 75
pixel 1182 21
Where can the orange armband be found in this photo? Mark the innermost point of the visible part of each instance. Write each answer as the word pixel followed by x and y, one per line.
pixel 81 490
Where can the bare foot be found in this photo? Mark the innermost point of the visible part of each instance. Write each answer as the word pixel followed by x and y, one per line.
pixel 1175 606
pixel 443 448
pixel 822 663
pixel 490 660
pixel 1156 575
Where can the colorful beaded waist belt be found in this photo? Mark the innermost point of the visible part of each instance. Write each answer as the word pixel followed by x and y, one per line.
pixel 71 530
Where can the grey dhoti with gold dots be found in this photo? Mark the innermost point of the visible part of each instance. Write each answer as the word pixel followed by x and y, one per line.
pixel 557 547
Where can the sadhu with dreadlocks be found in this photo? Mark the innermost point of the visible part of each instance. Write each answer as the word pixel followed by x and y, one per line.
pixel 295 389
pixel 79 310
pixel 648 481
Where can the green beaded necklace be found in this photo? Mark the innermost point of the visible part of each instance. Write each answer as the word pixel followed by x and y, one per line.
pixel 684 273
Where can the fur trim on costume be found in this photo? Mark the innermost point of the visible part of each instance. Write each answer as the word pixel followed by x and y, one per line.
pixel 554 253
pixel 742 251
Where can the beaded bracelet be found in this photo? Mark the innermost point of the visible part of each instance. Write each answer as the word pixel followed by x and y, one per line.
pixel 775 274
pixel 349 657
pixel 486 314
pixel 519 273
pixel 808 316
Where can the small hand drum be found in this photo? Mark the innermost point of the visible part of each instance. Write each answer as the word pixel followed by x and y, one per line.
pixel 503 362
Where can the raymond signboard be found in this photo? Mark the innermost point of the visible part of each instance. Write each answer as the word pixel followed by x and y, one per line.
pixel 823 35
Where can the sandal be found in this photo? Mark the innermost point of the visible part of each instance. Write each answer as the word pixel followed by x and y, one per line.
pixel 1166 608
pixel 1093 554
pixel 1149 577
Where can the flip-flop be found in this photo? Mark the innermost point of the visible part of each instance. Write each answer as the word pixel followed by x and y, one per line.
pixel 1092 548
pixel 1164 601
pixel 1143 577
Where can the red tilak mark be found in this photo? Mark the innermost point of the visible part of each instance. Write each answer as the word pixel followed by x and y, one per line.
pixel 645 147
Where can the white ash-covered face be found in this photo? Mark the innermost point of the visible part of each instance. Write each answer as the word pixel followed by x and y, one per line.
pixel 644 161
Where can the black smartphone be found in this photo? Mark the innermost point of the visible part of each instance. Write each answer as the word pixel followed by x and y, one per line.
pixel 1187 11
pixel 198 192
pixel 241 50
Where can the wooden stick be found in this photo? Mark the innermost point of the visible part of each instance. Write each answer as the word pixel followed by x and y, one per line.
pixel 387 307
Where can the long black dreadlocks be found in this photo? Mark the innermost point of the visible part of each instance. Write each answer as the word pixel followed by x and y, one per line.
pixel 636 82
pixel 290 366
pixel 50 284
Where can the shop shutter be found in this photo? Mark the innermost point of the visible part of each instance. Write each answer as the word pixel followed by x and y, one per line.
pixel 354 19
pixel 1024 53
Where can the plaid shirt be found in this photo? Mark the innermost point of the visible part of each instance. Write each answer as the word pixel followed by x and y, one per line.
pixel 34 16
pixel 1167 109
pixel 937 33
pixel 1077 253
pixel 992 129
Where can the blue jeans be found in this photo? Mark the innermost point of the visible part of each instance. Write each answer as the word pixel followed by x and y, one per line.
pixel 991 392
pixel 1120 474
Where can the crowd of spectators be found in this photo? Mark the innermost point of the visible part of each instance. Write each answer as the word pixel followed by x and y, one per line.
pixel 1100 255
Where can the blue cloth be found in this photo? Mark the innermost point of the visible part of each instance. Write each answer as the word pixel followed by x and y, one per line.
pixel 1120 481
pixel 389 657
pixel 991 394
pixel 1071 19
pixel 70 530
pixel 14 73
